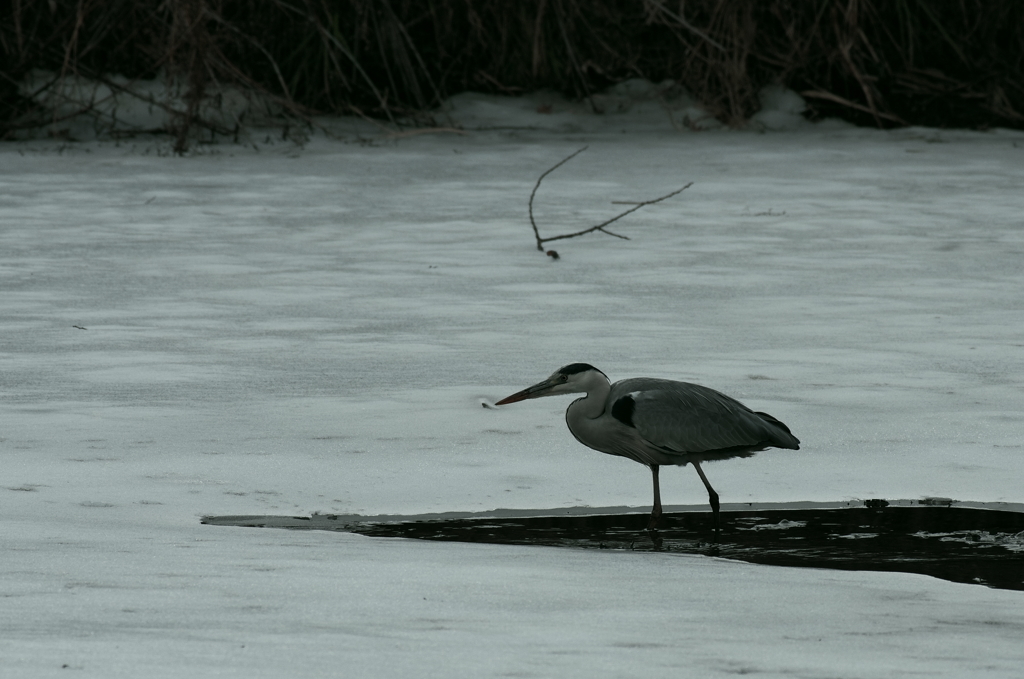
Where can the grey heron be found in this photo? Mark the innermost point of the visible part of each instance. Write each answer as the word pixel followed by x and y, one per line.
pixel 659 422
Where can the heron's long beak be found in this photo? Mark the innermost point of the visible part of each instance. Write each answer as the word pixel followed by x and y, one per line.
pixel 536 391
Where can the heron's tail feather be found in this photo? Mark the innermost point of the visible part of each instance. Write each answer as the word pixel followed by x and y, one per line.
pixel 786 438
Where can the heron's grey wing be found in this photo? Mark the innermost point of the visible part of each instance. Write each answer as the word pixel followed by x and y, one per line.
pixel 689 418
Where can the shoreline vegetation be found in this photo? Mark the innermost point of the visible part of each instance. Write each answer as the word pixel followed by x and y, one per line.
pixel 882 63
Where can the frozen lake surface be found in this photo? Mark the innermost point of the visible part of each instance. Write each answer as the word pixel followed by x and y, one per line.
pixel 290 330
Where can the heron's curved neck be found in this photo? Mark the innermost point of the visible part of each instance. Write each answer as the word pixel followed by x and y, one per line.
pixel 593 404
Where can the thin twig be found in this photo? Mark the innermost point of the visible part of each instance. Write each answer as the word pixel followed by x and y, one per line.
pixel 536 186
pixel 328 37
pixel 600 227
pixel 255 43
pixel 426 130
pixel 828 96
pixel 152 101
pixel 658 7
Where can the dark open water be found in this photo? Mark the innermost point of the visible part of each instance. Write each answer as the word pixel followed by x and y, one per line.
pixel 957 543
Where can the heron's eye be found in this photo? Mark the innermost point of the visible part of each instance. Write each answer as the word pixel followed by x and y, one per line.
pixel 564 378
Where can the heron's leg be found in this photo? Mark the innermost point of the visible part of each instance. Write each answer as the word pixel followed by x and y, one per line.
pixel 656 512
pixel 712 495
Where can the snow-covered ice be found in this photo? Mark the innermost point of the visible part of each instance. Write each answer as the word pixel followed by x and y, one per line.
pixel 290 330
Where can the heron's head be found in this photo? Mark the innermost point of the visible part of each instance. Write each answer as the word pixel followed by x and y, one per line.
pixel 575 378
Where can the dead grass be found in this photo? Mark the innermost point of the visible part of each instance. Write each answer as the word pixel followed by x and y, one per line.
pixel 876 62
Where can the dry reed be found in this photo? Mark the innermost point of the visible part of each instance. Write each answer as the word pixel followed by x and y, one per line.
pixel 876 62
